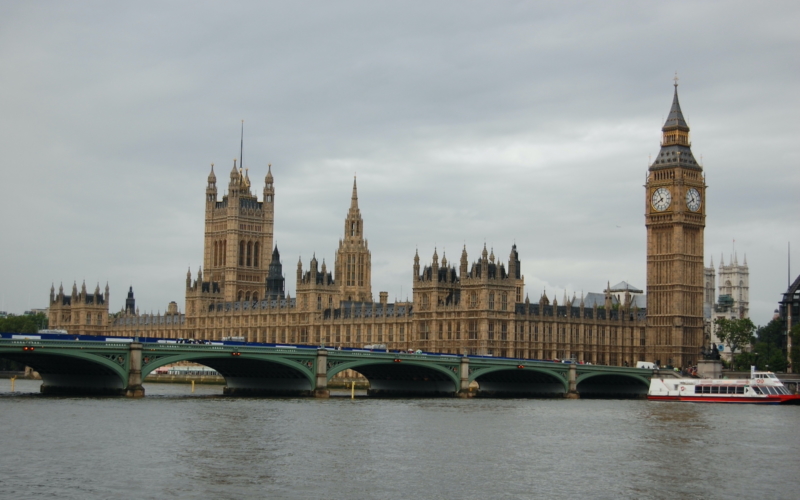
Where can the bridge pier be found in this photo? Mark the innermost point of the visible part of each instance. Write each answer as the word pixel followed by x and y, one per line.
pixel 134 389
pixel 321 378
pixel 572 378
pixel 463 371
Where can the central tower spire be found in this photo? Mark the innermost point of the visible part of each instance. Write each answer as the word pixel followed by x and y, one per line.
pixel 353 260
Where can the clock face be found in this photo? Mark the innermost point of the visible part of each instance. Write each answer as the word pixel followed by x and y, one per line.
pixel 661 199
pixel 693 200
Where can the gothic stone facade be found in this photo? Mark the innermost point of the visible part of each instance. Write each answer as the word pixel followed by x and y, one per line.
pixel 477 308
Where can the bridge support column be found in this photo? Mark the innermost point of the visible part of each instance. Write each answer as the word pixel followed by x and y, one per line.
pixel 572 377
pixel 321 379
pixel 134 388
pixel 463 371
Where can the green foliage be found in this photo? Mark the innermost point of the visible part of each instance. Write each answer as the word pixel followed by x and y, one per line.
pixel 774 333
pixel 743 361
pixel 20 324
pixel 735 333
pixel 23 324
pixel 768 357
pixel 795 355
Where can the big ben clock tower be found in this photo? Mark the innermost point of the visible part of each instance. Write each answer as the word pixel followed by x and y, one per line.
pixel 675 215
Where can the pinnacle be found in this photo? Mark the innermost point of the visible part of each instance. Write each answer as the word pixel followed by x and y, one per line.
pixel 354 198
pixel 675 118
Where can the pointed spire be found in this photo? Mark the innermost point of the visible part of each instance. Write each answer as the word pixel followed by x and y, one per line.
pixel 711 265
pixel 675 118
pixel 721 260
pixel 745 260
pixel 268 179
pixel 212 178
pixel 354 198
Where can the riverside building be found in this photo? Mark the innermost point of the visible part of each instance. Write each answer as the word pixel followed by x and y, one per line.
pixel 477 307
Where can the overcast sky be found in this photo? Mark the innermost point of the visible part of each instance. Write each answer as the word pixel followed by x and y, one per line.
pixel 465 122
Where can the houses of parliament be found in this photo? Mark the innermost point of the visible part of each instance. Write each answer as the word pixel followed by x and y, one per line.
pixel 464 307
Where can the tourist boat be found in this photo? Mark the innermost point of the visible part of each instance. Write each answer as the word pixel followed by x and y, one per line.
pixel 761 388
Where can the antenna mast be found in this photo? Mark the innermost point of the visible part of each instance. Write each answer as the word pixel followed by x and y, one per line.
pixel 241 147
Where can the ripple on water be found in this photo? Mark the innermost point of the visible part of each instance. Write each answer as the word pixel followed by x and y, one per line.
pixel 182 445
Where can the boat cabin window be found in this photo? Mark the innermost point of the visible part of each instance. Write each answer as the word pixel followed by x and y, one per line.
pixel 771 375
pixel 757 389
pixel 715 390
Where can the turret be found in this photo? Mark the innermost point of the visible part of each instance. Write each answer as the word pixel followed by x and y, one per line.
pixel 130 303
pixel 416 265
pixel 211 189
pixel 514 264
pixel 464 263
pixel 299 269
pixel 269 188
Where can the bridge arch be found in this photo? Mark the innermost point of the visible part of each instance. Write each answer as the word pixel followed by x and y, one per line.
pixel 246 373
pixel 612 385
pixel 530 381
pixel 407 377
pixel 74 371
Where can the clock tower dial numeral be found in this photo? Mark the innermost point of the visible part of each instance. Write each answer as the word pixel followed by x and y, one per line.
pixel 661 199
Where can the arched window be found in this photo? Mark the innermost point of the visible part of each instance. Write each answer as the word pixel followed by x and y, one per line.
pixel 224 252
pixel 491 300
pixel 247 296
pixel 241 253
pixel 319 302
pixel 239 298
pixel 249 253
pixel 256 255
pixel 504 302
pixel 255 296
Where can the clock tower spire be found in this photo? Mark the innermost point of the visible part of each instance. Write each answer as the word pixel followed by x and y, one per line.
pixel 675 216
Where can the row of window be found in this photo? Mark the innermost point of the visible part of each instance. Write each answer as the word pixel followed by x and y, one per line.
pixel 249 253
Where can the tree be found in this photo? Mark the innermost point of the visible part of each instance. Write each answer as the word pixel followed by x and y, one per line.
pixel 795 354
pixel 735 333
pixel 773 333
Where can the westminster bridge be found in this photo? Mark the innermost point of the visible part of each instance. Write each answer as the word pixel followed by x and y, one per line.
pixel 118 367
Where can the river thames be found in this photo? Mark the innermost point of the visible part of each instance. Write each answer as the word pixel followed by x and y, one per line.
pixel 174 444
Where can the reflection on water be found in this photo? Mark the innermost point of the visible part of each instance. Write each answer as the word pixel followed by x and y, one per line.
pixel 173 443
